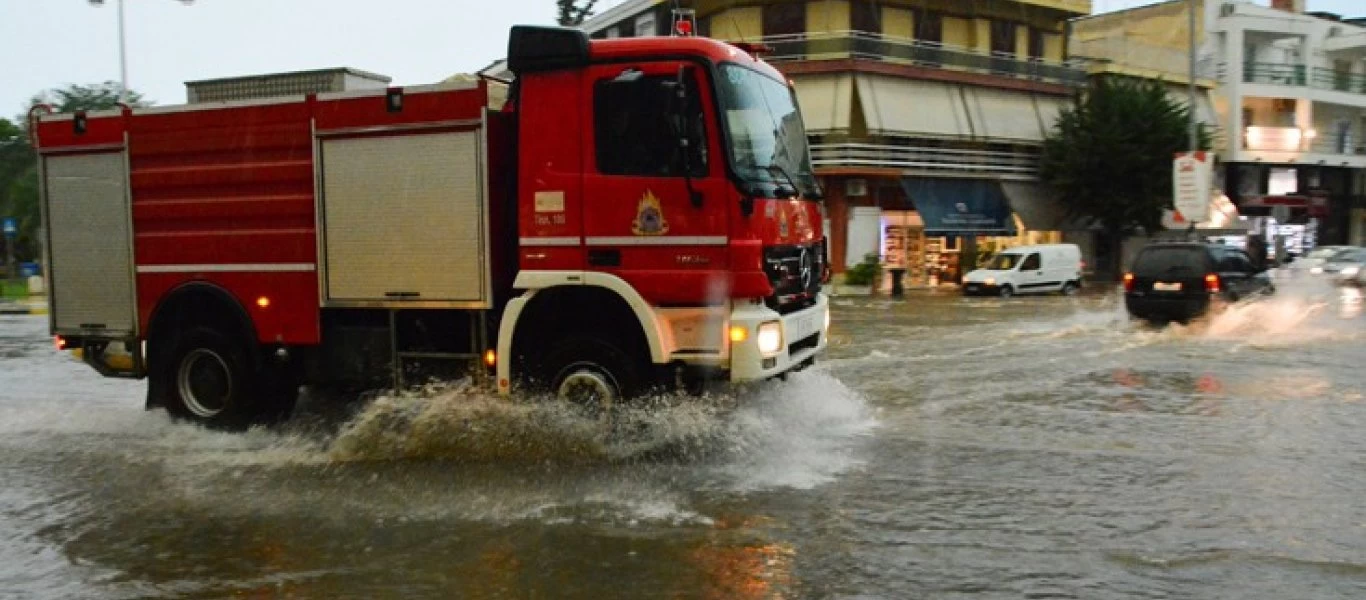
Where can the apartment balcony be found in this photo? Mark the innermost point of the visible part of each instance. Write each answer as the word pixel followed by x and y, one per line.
pixel 814 46
pixel 1304 76
pixel 1022 164
pixel 1304 146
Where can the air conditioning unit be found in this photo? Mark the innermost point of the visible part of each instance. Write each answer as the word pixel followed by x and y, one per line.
pixel 855 188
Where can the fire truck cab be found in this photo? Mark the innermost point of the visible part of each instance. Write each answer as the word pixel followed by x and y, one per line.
pixel 639 214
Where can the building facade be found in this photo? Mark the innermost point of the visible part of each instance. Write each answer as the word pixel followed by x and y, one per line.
pixel 926 117
pixel 1292 86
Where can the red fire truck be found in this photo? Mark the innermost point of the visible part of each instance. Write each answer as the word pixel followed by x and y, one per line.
pixel 638 214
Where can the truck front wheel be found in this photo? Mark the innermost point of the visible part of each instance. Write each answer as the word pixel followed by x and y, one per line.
pixel 592 373
pixel 208 379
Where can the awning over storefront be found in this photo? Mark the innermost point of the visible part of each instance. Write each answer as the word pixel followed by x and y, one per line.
pixel 1037 206
pixel 1003 114
pixel 960 206
pixel 1050 108
pixel 893 106
pixel 827 101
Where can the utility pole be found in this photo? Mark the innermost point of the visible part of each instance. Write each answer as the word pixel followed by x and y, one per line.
pixel 123 49
pixel 1194 127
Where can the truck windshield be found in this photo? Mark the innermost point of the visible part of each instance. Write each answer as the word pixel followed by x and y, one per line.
pixel 767 139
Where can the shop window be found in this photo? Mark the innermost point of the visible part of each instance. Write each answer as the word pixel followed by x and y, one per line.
pixel 1031 263
pixel 1282 182
pixel 1003 37
pixel 929 26
pixel 865 16
pixel 635 137
pixel 788 18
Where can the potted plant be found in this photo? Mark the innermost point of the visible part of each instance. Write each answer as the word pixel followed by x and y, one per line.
pixel 859 279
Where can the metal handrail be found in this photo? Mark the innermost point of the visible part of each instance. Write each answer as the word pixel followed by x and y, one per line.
pixel 960 160
pixel 875 46
pixel 1301 75
pixel 1278 73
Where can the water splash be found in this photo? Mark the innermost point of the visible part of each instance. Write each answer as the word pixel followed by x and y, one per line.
pixel 463 423
pixel 795 427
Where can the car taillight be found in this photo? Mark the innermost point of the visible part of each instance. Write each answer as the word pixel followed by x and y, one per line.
pixel 1128 282
pixel 1212 283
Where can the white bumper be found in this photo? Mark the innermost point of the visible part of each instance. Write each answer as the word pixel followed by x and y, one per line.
pixel 804 335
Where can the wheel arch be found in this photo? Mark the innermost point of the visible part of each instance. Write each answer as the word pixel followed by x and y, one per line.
pixel 201 303
pixel 589 302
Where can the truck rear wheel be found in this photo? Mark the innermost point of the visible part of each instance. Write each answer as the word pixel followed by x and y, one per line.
pixel 592 373
pixel 209 379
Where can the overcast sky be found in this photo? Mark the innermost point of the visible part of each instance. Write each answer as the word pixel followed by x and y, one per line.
pixel 51 43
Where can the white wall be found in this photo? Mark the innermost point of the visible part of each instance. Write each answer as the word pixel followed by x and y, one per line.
pixel 864 236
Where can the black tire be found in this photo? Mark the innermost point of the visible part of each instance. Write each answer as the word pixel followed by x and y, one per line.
pixel 592 372
pixel 1070 288
pixel 1006 291
pixel 208 378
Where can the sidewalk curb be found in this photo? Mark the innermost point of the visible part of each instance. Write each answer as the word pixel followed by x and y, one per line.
pixel 22 308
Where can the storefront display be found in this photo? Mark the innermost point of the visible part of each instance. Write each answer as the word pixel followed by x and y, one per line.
pixel 936 260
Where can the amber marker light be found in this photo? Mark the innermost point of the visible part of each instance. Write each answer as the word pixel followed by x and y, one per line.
pixel 738 334
pixel 263 302
pixel 490 358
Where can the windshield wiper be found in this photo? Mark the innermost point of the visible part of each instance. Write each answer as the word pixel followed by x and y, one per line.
pixel 773 167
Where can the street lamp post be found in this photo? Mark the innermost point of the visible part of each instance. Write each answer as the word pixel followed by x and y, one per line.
pixel 123 50
pixel 1194 129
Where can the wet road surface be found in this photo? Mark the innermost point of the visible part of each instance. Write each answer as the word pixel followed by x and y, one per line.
pixel 946 448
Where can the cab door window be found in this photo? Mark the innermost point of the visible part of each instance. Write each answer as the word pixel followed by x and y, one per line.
pixel 640 126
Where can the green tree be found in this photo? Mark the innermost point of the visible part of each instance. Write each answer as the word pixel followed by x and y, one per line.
pixel 1110 156
pixel 18 161
pixel 100 96
pixel 571 13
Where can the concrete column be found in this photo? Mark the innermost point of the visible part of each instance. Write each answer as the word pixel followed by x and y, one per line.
pixel 1233 40
pixel 837 207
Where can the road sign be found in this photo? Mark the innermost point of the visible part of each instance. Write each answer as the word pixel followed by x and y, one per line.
pixel 1192 174
pixel 11 227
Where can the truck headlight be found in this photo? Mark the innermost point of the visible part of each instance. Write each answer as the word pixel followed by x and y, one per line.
pixel 827 318
pixel 1351 271
pixel 989 281
pixel 770 337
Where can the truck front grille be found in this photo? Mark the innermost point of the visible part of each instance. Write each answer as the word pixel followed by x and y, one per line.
pixel 795 273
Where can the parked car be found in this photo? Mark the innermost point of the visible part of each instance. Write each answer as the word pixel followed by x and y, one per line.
pixel 1182 281
pixel 1313 262
pixel 1033 269
pixel 1346 264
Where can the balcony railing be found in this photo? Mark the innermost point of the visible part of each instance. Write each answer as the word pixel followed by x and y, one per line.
pixel 873 46
pixel 1023 164
pixel 1294 139
pixel 1301 75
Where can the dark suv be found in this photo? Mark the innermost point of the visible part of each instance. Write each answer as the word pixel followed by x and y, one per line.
pixel 1180 281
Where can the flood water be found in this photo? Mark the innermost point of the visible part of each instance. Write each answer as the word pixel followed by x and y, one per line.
pixel 946 448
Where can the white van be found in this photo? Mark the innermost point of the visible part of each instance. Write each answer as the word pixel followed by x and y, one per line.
pixel 1028 270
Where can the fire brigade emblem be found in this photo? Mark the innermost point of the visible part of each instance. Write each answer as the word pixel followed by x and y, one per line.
pixel 649 216
pixel 783 226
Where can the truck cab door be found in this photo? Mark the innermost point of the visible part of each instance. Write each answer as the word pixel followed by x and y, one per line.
pixel 641 220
